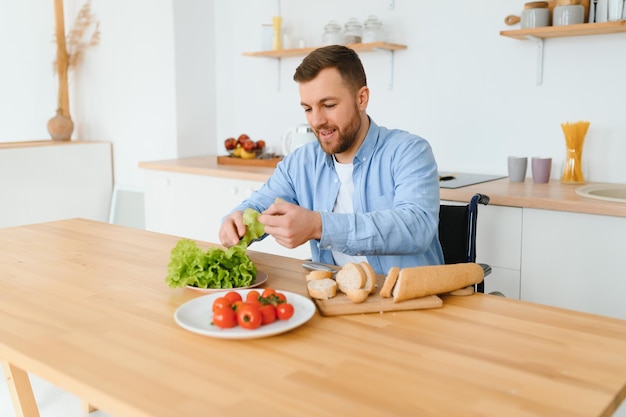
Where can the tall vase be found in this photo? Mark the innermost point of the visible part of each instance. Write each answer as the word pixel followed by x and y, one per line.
pixel 574 140
pixel 60 127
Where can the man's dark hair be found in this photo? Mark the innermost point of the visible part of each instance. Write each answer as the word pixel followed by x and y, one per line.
pixel 344 59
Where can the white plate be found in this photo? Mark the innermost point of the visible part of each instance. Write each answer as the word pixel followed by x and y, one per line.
pixel 260 279
pixel 196 316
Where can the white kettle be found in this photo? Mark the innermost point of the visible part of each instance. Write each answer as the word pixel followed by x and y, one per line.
pixel 296 137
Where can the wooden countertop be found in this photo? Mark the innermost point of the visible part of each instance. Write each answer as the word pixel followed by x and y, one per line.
pixel 84 305
pixel 551 196
pixel 48 142
pixel 207 165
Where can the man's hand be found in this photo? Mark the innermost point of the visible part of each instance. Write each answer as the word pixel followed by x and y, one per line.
pixel 291 225
pixel 232 229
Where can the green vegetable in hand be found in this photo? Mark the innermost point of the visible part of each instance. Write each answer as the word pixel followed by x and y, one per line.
pixel 216 267
pixel 254 229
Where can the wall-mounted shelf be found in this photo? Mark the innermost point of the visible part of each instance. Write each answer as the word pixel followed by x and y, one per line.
pixel 358 47
pixel 583 29
pixel 542 33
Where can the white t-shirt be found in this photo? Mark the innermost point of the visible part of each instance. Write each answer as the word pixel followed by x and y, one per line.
pixel 343 204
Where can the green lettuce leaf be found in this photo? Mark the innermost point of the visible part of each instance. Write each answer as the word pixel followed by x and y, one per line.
pixel 254 229
pixel 216 267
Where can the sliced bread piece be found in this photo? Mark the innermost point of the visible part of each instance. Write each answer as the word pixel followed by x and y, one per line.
pixel 313 275
pixel 370 283
pixel 322 289
pixel 351 277
pixel 390 281
pixel 357 295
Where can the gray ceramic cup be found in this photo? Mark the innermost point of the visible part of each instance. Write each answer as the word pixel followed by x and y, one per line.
pixel 541 168
pixel 517 168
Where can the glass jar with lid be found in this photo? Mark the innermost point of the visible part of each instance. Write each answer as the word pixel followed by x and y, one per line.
pixel 353 31
pixel 373 30
pixel 332 34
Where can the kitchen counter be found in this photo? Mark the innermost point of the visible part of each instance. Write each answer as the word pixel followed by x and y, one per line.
pixel 502 192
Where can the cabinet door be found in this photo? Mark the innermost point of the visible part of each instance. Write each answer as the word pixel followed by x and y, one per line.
pixel 54 182
pixel 574 261
pixel 498 243
pixel 192 206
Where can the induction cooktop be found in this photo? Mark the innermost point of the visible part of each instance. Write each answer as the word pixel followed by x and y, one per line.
pixel 458 180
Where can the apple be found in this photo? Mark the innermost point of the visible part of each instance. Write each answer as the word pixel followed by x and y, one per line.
pixel 248 145
pixel 230 144
pixel 260 144
pixel 243 138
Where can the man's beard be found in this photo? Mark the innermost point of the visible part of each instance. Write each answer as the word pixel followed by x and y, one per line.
pixel 347 136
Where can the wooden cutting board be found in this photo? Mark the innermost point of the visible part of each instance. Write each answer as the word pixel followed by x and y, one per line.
pixel 342 305
pixel 256 162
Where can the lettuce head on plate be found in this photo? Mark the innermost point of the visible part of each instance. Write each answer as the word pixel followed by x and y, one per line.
pixel 215 267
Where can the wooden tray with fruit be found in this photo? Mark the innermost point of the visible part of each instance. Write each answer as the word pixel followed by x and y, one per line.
pixel 247 152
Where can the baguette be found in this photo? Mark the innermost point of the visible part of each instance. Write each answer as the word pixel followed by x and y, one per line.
pixel 370 283
pixel 313 275
pixel 420 281
pixel 390 281
pixel 351 277
pixel 322 289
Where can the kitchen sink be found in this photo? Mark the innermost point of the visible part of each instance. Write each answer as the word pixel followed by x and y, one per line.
pixel 606 192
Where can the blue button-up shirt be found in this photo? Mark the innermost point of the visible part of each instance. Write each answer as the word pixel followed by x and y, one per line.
pixel 395 201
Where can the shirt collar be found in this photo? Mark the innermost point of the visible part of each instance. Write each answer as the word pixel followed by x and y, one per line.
pixel 367 147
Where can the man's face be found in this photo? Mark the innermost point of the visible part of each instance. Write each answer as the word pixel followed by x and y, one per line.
pixel 332 110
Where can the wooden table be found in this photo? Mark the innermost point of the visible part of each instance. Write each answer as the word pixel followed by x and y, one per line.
pixel 84 305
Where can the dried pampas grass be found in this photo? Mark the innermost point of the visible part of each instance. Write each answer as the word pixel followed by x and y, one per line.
pixel 85 33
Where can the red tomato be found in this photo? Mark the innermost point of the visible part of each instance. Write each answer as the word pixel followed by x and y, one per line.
pixel 268 292
pixel 249 317
pixel 233 296
pixel 253 296
pixel 284 311
pixel 269 313
pixel 220 303
pixel 281 297
pixel 224 317
pixel 237 305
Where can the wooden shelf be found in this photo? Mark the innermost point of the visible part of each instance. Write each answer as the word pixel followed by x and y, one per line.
pixel 542 33
pixel 359 47
pixel 583 29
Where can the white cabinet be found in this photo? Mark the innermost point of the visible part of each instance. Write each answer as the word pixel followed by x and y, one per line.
pixel 46 181
pixel 193 206
pixel 498 243
pixel 574 261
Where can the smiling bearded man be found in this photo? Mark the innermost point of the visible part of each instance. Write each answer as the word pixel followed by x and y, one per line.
pixel 362 192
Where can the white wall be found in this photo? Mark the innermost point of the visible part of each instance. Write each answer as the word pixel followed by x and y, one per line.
pixel 471 92
pixel 124 91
